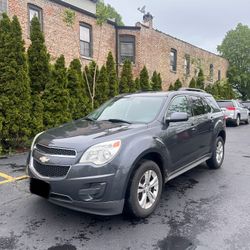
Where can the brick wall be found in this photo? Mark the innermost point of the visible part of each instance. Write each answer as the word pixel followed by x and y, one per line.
pixel 152 46
pixel 61 39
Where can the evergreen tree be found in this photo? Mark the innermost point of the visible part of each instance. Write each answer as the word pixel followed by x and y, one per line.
pixel 200 83
pixel 192 83
pixel 137 84
pixel 113 83
pixel 102 90
pixel 144 80
pixel 56 96
pixel 177 84
pixel 156 82
pixel 38 57
pixel 126 80
pixel 79 105
pixel 39 73
pixel 14 85
pixel 91 73
pixel 171 87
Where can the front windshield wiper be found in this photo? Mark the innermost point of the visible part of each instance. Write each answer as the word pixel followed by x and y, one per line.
pixel 89 119
pixel 118 120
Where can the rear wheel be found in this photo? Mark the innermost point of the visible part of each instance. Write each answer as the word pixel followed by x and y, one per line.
pixel 247 120
pixel 145 190
pixel 237 121
pixel 217 158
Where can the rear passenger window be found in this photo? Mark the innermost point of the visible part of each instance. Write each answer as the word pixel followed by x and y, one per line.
pixel 213 104
pixel 179 104
pixel 198 106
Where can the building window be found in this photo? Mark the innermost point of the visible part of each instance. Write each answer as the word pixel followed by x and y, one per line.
pixel 219 75
pixel 127 48
pixel 35 11
pixel 187 65
pixel 86 40
pixel 211 72
pixel 3 7
pixel 173 60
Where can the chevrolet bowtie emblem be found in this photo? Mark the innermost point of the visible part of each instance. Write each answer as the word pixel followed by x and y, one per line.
pixel 44 159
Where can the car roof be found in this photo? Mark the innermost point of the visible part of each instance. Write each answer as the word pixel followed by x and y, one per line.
pixel 165 93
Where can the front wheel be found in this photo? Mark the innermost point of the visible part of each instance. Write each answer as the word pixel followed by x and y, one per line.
pixel 145 189
pixel 217 158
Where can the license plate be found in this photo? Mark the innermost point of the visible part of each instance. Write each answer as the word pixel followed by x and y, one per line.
pixel 39 187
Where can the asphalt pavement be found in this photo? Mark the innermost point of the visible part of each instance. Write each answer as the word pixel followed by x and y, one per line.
pixel 202 209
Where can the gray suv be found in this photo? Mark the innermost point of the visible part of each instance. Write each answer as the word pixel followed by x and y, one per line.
pixel 121 155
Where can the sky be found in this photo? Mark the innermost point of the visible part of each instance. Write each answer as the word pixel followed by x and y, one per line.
pixel 203 23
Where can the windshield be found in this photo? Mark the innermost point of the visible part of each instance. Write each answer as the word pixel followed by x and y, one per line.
pixel 132 109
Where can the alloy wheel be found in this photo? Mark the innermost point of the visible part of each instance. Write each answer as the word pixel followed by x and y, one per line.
pixel 219 151
pixel 148 189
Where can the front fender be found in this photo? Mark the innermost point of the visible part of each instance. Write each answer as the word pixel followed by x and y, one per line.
pixel 134 152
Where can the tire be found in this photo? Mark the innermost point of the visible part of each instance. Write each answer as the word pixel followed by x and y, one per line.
pixel 247 120
pixel 237 121
pixel 142 200
pixel 217 158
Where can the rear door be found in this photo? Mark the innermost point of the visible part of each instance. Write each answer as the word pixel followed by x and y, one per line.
pixel 203 123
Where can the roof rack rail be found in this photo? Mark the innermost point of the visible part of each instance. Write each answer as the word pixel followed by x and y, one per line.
pixel 192 89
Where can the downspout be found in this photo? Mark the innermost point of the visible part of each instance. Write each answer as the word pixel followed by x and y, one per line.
pixel 117 49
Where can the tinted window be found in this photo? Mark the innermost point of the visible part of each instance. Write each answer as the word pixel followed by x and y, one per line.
pixel 225 104
pixel 134 109
pixel 213 104
pixel 197 106
pixel 179 104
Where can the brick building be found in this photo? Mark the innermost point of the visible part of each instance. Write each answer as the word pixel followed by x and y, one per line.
pixel 141 43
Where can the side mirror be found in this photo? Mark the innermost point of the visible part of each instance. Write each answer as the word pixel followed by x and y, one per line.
pixel 177 117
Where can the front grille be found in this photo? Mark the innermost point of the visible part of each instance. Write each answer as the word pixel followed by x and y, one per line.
pixel 55 151
pixel 50 170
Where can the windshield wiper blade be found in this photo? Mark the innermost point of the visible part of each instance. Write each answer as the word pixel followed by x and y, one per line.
pixel 89 119
pixel 118 120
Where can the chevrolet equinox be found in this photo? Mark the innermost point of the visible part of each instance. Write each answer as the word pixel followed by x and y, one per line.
pixel 121 155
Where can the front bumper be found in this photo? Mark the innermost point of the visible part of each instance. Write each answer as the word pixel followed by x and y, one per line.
pixel 96 193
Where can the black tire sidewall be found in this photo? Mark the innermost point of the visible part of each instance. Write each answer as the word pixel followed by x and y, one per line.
pixel 213 163
pixel 134 206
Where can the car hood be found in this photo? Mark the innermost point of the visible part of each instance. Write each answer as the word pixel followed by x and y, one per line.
pixel 81 134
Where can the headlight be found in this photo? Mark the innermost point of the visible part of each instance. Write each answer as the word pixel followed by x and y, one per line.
pixel 33 143
pixel 101 153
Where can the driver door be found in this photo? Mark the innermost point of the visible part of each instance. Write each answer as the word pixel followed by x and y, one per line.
pixel 178 136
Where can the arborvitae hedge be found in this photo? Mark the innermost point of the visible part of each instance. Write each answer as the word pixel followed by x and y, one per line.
pixel 126 80
pixel 113 82
pixel 156 82
pixel 14 85
pixel 171 87
pixel 102 87
pixel 192 83
pixel 200 83
pixel 137 84
pixel 144 80
pixel 79 103
pixel 38 57
pixel 177 84
pixel 56 96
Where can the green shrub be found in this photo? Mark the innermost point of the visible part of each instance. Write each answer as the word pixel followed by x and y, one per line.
pixel 113 83
pixel 144 80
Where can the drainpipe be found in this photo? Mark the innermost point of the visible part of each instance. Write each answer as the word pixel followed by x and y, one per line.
pixel 116 49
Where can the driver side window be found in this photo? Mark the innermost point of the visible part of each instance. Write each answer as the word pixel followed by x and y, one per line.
pixel 179 104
